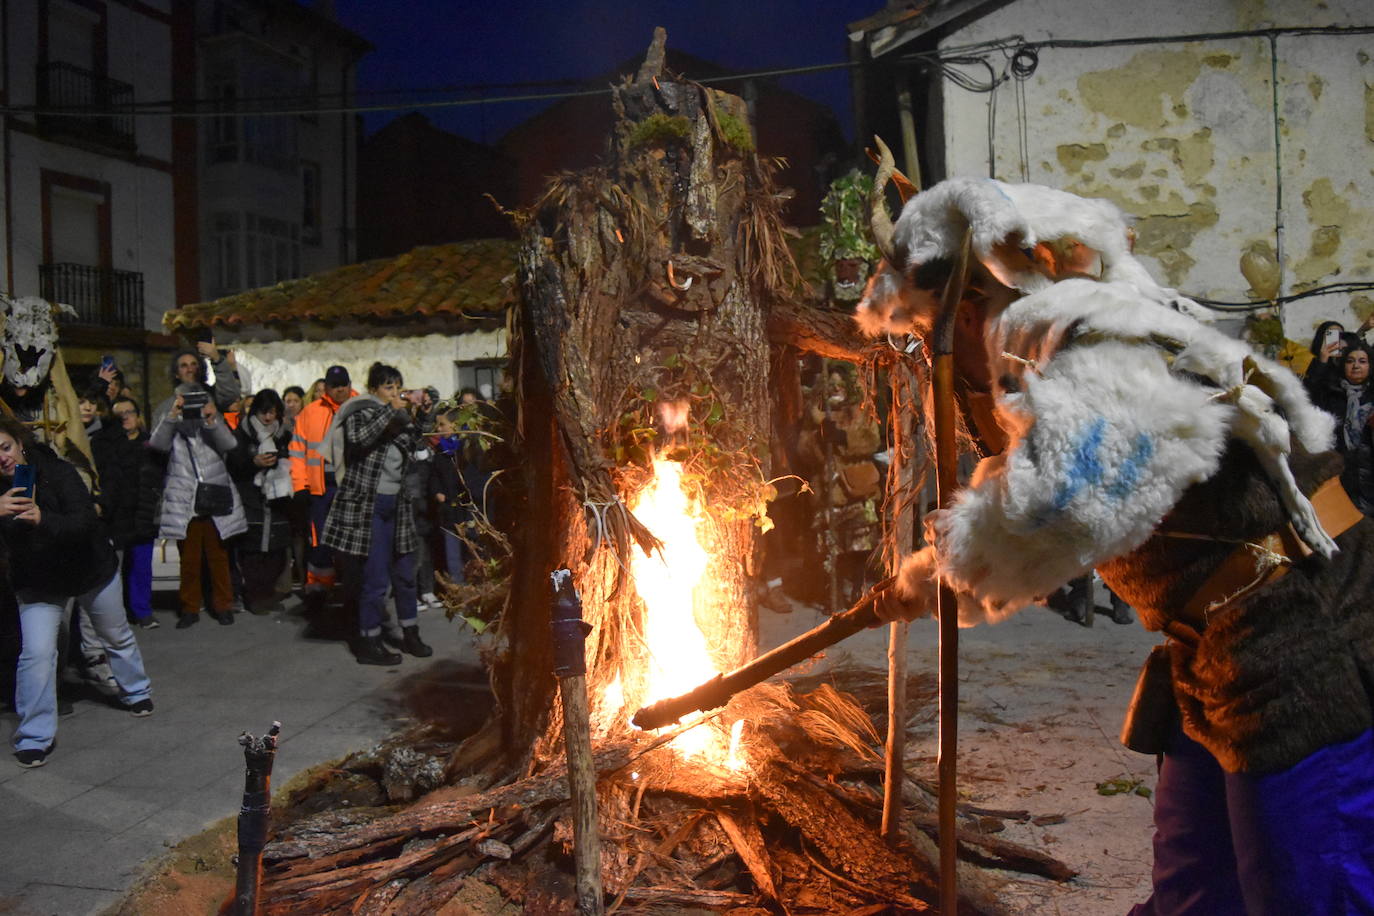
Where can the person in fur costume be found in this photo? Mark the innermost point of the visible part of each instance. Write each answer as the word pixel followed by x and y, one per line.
pixel 1145 444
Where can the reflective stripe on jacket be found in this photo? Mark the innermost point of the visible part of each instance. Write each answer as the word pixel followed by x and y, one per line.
pixel 307 444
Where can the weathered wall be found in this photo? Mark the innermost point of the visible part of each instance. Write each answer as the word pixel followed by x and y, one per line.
pixel 1182 136
pixel 426 359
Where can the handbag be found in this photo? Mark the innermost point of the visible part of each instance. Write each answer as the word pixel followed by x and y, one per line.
pixel 1153 714
pixel 212 499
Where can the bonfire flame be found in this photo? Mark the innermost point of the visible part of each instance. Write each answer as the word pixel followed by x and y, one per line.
pixel 678 656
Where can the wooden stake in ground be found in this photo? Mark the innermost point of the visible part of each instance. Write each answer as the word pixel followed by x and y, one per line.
pixel 570 666
pixel 258 756
pixel 947 481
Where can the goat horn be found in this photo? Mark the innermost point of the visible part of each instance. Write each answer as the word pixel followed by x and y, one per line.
pixel 879 220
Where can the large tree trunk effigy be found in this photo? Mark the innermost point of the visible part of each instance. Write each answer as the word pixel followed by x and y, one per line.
pixel 644 281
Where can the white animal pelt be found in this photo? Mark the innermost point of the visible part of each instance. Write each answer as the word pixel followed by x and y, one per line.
pixel 1117 403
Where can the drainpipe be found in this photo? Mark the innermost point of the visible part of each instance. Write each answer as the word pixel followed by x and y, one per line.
pixel 1278 159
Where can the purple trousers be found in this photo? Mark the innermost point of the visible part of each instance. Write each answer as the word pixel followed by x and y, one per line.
pixel 1300 841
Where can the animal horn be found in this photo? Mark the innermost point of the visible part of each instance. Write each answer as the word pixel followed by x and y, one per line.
pixel 879 220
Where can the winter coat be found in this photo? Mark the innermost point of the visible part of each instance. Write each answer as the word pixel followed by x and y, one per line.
pixel 445 476
pixel 181 440
pixel 130 485
pixel 68 553
pixel 269 523
pixel 368 427
pixel 1357 478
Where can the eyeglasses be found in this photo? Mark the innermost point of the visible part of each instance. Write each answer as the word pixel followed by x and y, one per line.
pixel 125 413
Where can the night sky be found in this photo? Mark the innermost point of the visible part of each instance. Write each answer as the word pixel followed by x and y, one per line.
pixel 424 44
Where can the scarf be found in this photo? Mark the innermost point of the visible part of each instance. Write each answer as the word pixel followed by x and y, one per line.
pixel 1356 414
pixel 274 481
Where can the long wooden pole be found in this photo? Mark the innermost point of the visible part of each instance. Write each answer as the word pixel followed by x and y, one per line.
pixel 570 666
pixel 254 815
pixel 947 481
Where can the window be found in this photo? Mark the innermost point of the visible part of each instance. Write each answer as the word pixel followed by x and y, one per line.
pixel 224 131
pixel 225 243
pixel 481 375
pixel 310 195
pixel 75 35
pixel 249 250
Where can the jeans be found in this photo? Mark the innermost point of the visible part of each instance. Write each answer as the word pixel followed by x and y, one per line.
pixel 453 555
pixel 35 695
pixel 1292 843
pixel 136 563
pixel 319 559
pixel 381 569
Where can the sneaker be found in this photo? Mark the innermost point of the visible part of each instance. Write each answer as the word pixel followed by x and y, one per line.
pixel 370 651
pixel 187 620
pixel 33 757
pixel 149 624
pixel 141 709
pixel 411 643
pixel 430 602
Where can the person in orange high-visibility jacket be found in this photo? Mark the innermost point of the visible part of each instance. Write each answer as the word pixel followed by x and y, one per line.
pixel 312 477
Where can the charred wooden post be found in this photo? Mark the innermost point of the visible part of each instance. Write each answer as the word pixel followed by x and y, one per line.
pixel 718 691
pixel 254 817
pixel 947 480
pixel 570 667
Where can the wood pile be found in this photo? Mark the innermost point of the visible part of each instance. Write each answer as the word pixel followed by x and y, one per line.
pixel 796 831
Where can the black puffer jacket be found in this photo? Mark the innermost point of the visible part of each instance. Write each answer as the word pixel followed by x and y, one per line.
pixel 68 552
pixel 1327 392
pixel 130 485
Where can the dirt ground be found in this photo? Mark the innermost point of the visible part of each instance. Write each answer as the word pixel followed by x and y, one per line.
pixel 1041 701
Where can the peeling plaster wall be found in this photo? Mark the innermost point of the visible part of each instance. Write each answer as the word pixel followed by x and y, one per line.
pixel 423 360
pixel 1181 136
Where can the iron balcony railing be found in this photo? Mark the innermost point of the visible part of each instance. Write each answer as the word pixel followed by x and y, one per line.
pixel 101 296
pixel 80 103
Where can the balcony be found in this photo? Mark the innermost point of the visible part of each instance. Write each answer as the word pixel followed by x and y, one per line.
pixel 94 108
pixel 102 297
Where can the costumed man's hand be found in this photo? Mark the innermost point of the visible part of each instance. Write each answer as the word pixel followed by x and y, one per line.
pixel 911 593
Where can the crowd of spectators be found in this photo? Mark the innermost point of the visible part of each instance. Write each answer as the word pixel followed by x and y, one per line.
pixel 353 499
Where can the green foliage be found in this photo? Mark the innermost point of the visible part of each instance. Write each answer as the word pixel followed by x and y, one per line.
pixel 844 219
pixel 734 132
pixel 1265 330
pixel 660 128
pixel 1124 786
pixel 725 477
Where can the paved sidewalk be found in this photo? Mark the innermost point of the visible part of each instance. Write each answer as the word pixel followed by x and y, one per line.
pixel 119 790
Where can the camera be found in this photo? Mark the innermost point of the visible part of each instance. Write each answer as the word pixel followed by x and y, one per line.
pixel 193 402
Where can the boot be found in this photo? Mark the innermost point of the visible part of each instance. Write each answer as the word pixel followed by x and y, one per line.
pixel 411 643
pixel 370 651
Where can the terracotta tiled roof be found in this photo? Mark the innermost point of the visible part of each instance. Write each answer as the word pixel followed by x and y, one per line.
pixel 461 279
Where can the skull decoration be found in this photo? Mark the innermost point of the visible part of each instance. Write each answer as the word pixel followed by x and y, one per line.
pixel 845 249
pixel 30 339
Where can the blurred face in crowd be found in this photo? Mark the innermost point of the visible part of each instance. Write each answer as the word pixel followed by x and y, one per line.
pixel 87 409
pixel 268 415
pixel 127 415
pixel 315 391
pixel 11 453
pixel 387 393
pixel 188 368
pixel 443 426
pixel 1357 367
pixel 468 398
pixel 293 403
pixel 338 393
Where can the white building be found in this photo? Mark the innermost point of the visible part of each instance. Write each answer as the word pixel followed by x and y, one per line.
pixel 1224 128
pixel 276 191
pixel 88 196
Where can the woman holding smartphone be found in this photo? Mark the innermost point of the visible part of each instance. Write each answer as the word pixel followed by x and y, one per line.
pixel 58 551
pixel 261 473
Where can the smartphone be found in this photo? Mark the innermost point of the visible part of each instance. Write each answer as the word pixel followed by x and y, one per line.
pixel 107 362
pixel 23 479
pixel 1332 335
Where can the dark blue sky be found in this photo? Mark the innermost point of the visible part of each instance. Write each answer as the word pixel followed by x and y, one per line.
pixel 435 43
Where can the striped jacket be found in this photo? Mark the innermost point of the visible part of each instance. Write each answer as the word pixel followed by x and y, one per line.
pixel 306 451
pixel 369 427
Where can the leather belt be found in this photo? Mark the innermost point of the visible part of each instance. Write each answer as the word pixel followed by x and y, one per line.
pixel 1255 564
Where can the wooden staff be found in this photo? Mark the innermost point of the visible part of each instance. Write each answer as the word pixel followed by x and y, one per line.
pixel 570 666
pixel 254 816
pixel 947 481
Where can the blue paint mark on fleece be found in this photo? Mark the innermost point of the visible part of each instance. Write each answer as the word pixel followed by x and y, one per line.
pixel 1086 467
pixel 1128 475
